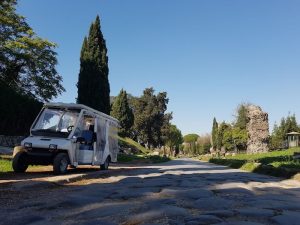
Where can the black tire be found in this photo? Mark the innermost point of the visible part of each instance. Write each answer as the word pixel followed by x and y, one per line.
pixel 60 163
pixel 106 164
pixel 19 163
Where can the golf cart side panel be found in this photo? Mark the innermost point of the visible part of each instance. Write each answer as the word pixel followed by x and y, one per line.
pixel 113 141
pixel 100 152
pixel 107 140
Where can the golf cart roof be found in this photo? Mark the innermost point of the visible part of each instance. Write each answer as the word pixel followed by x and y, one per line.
pixel 79 106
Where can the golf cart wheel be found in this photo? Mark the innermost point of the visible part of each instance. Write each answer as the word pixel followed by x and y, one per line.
pixel 19 163
pixel 60 163
pixel 106 164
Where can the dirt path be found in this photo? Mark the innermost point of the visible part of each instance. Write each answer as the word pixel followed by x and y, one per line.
pixel 178 192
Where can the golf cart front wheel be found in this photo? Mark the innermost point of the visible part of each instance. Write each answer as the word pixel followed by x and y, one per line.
pixel 60 163
pixel 19 163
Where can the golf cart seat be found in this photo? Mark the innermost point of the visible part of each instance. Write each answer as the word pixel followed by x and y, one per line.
pixel 88 140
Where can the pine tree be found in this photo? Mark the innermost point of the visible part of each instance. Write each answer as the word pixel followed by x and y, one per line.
pixel 122 112
pixel 93 84
pixel 214 133
pixel 150 117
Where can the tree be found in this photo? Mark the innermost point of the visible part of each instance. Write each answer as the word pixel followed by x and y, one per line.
pixel 191 141
pixel 150 117
pixel 204 143
pixel 227 140
pixel 240 137
pixel 122 112
pixel 18 111
pixel 214 133
pixel 174 138
pixel 27 62
pixel 165 130
pixel 93 85
pixel 190 138
pixel 220 136
pixel 287 125
pixel 239 131
pixel 241 117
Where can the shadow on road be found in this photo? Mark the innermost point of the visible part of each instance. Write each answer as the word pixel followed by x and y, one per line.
pixel 171 193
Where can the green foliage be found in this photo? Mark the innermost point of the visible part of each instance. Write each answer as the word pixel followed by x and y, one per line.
pixel 93 84
pixel 166 129
pixel 240 137
pixel 239 132
pixel 129 143
pixel 227 140
pixel 276 163
pixel 220 135
pixel 190 141
pixel 196 145
pixel 287 125
pixel 231 137
pixel 27 62
pixel 190 138
pixel 174 138
pixel 150 117
pixel 122 111
pixel 214 133
pixel 17 111
pixel 241 117
pixel 123 158
pixel 204 144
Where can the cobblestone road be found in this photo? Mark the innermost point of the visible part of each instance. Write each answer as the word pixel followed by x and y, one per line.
pixel 182 191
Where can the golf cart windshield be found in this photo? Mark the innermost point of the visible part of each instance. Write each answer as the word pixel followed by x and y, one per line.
pixel 55 122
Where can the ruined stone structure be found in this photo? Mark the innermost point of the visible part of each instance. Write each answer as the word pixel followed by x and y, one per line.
pixel 258 130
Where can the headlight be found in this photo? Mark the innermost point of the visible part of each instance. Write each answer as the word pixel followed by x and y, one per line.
pixel 28 145
pixel 52 147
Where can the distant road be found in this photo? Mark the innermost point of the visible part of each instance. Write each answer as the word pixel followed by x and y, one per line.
pixel 182 191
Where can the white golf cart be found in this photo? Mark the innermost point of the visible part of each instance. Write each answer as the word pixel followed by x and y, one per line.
pixel 69 134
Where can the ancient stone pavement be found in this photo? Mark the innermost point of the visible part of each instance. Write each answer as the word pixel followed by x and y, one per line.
pixel 182 191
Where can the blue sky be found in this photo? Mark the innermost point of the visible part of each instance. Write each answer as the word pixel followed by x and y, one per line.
pixel 208 55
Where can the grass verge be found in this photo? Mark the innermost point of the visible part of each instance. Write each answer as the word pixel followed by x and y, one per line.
pixel 5 164
pixel 141 158
pixel 129 143
pixel 276 163
pixel 142 154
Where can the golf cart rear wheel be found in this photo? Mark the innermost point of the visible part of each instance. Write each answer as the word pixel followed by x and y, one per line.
pixel 60 163
pixel 19 163
pixel 106 164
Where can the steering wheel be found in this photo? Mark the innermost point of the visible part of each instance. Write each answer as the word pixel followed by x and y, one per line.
pixel 70 128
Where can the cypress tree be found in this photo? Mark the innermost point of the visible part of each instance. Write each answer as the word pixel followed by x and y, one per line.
pixel 122 112
pixel 214 133
pixel 93 85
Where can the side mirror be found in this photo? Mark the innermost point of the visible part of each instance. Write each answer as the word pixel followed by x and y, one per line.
pixel 80 139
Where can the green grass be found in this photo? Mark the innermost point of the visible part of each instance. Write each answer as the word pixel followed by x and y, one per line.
pixel 276 163
pixel 142 155
pixel 141 158
pixel 5 164
pixel 129 143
